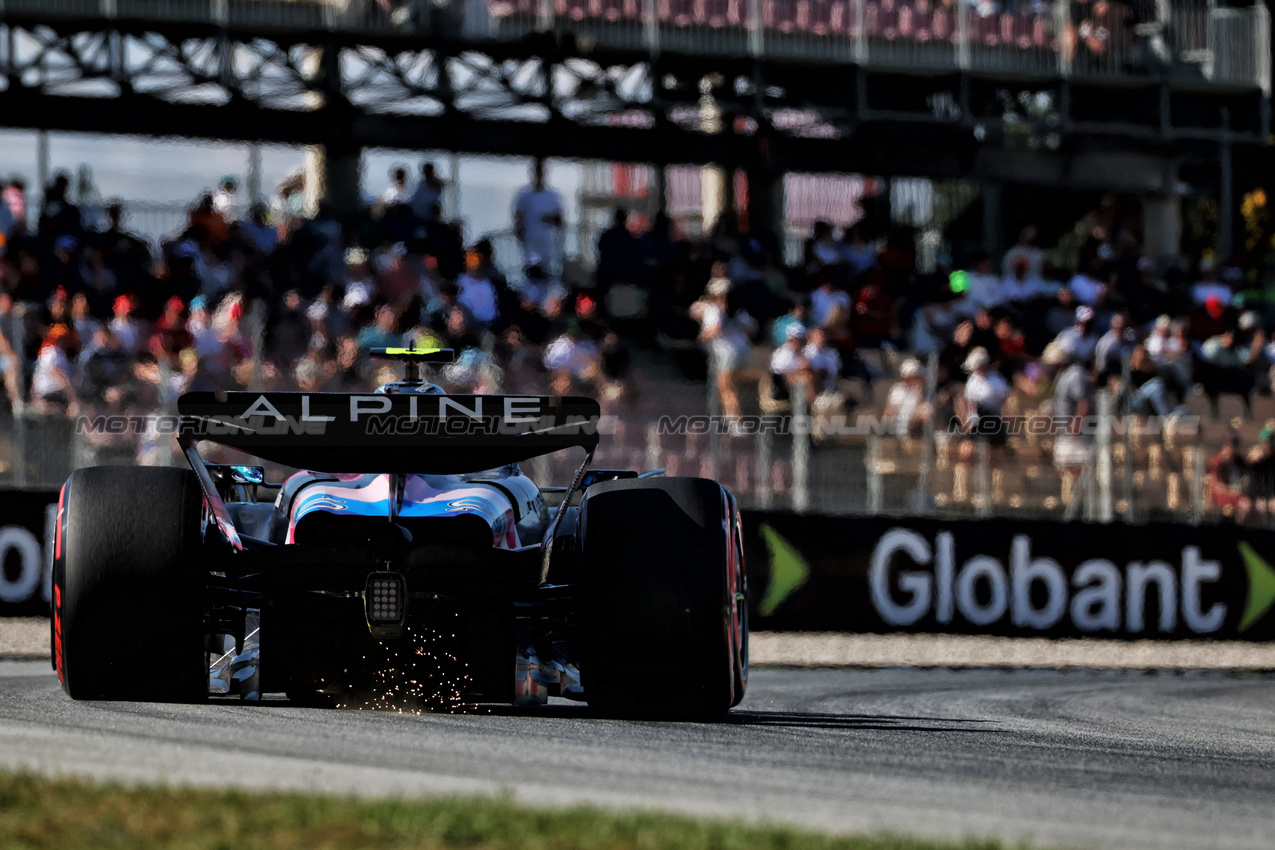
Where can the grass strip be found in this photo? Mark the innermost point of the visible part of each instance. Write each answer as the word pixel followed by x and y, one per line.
pixel 68 814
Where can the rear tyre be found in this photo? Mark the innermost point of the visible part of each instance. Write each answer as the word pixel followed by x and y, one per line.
pixel 659 627
pixel 739 623
pixel 128 612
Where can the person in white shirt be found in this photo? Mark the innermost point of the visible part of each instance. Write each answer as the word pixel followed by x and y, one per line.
pixel 788 367
pixel 571 353
pixel 905 407
pixel 986 391
pixel 397 193
pixel 1159 342
pixel 360 284
pixel 823 360
pixel 226 199
pixel 1079 340
pixel 52 390
pixel 570 358
pixel 538 221
pixel 726 334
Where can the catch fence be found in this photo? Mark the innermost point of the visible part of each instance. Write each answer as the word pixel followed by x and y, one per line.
pixel 1131 468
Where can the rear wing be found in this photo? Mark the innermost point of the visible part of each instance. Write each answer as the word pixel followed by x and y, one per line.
pixel 390 433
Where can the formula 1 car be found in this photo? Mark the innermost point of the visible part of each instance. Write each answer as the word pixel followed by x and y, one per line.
pixel 412 557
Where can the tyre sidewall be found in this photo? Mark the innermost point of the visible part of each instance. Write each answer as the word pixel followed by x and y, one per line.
pixel 129 585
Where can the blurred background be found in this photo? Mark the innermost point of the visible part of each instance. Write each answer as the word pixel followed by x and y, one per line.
pixel 955 258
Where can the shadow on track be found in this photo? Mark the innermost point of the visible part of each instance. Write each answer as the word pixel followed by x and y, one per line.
pixel 816 720
pixel 763 719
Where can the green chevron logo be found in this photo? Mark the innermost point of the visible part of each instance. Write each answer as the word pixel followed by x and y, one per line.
pixel 1261 587
pixel 788 570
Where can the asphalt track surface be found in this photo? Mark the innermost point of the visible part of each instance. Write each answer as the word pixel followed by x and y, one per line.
pixel 1081 758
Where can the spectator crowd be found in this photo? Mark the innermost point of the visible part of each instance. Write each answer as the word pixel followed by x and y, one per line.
pixel 98 320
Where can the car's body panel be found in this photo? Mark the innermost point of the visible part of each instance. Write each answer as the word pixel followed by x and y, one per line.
pixel 421 496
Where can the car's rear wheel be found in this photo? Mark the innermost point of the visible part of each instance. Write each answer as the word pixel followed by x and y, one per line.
pixel 127 600
pixel 739 614
pixel 658 625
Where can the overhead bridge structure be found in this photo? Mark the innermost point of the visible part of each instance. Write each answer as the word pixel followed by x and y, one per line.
pixel 886 87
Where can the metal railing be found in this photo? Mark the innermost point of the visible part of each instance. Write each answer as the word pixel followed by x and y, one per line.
pixel 1222 45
